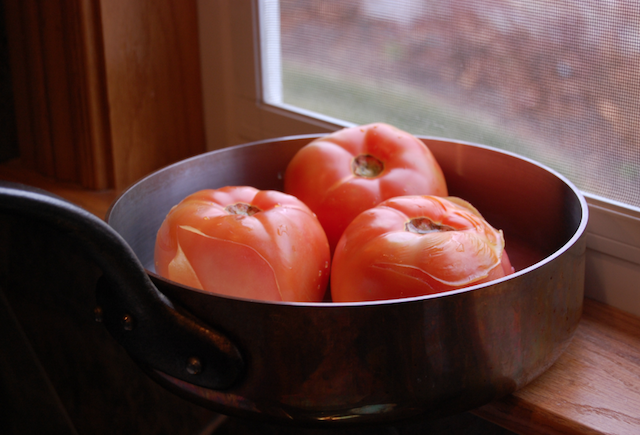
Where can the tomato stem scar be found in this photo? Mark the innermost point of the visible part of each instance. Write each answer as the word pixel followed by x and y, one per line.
pixel 242 208
pixel 367 166
pixel 424 225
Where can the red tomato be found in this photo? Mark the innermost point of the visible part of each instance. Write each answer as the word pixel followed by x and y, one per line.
pixel 413 246
pixel 344 173
pixel 241 241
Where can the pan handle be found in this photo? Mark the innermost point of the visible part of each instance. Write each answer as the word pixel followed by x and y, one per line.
pixel 150 328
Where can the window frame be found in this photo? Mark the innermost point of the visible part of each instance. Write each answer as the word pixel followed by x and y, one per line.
pixel 235 113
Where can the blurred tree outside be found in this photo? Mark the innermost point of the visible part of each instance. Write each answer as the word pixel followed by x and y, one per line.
pixel 554 80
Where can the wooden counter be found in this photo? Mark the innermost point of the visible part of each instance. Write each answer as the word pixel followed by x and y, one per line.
pixel 593 388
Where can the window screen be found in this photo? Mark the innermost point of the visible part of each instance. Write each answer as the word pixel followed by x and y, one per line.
pixel 554 80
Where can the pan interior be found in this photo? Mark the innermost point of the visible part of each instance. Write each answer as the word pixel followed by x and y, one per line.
pixel 538 211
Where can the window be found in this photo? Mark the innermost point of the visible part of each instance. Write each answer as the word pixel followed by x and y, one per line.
pixel 555 81
pixel 558 82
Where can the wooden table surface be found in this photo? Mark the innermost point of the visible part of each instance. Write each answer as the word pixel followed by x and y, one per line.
pixel 593 388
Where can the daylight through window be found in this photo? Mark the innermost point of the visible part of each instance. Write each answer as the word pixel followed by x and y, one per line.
pixel 554 80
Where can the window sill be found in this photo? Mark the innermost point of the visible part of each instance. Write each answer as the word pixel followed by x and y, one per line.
pixel 96 202
pixel 594 387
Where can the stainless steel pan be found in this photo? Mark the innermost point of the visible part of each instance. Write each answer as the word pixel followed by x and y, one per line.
pixel 335 364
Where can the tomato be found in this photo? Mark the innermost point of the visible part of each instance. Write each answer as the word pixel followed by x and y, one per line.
pixel 344 173
pixel 245 242
pixel 416 245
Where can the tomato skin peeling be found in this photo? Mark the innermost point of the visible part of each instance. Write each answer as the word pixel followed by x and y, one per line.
pixel 351 170
pixel 414 246
pixel 244 242
pixel 366 208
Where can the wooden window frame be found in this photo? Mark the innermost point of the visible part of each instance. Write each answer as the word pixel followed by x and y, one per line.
pixel 105 91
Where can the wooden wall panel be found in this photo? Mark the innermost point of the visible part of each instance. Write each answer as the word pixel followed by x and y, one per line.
pixel 88 93
pixel 8 130
pixel 55 49
pixel 25 53
pixel 58 86
pixel 154 90
pixel 105 91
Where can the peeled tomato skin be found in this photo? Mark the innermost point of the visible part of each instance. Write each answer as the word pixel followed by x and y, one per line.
pixel 377 258
pixel 278 253
pixel 320 174
pixel 217 268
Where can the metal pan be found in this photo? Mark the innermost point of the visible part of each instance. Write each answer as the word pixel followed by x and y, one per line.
pixel 341 364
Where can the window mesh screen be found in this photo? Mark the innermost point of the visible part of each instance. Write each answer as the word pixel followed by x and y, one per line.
pixel 554 80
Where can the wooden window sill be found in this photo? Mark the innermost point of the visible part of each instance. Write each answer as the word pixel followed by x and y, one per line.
pixel 593 388
pixel 96 202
